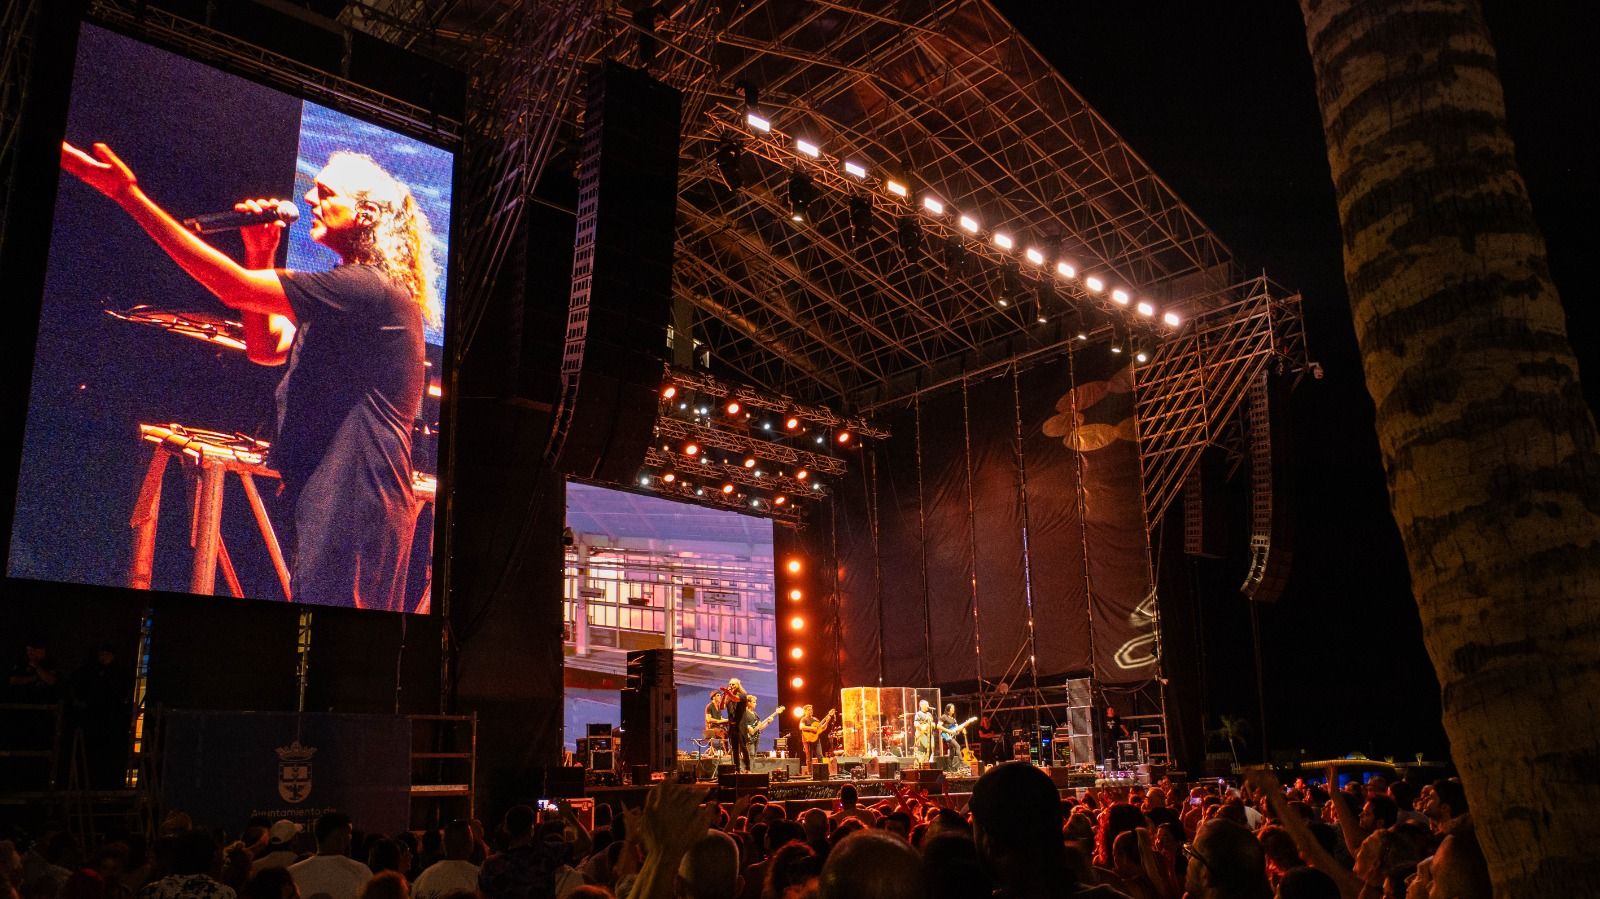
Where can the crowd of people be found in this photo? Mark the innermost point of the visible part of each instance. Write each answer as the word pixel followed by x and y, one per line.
pixel 1015 838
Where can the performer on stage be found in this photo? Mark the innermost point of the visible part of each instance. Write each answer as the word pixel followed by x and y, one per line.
pixel 923 725
pixel 948 729
pixel 741 731
pixel 716 727
pixel 811 733
pixel 353 341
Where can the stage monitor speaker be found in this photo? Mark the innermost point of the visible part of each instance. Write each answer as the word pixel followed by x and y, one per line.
pixel 820 771
pixel 621 300
pixel 886 769
pixel 926 777
pixel 600 729
pixel 734 786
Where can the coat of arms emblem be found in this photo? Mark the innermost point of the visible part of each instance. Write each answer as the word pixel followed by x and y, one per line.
pixel 294 771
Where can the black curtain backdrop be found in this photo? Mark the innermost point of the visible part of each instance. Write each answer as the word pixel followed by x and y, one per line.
pixel 1001 493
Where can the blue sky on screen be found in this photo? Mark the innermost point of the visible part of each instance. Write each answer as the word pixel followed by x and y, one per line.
pixel 427 170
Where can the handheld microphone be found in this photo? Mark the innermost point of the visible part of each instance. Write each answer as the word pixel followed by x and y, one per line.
pixel 214 222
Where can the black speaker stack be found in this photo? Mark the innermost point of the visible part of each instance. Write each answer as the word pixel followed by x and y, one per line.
pixel 621 299
pixel 650 712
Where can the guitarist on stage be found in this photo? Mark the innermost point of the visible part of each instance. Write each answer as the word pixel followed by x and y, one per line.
pixel 811 731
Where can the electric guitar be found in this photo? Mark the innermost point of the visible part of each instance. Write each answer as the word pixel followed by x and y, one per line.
pixel 756 729
pixel 948 734
pixel 813 731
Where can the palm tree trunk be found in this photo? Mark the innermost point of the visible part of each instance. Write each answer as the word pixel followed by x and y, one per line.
pixel 1487 442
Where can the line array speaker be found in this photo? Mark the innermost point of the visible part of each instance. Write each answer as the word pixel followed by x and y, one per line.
pixel 621 297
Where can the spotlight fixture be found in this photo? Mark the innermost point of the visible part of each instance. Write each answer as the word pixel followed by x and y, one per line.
pixel 933 205
pixel 802 193
pixel 668 478
pixel 856 169
pixel 808 148
pixel 793 565
pixel 802 474
pixel 1119 296
pixel 969 224
pixel 797 682
pixel 749 461
pixel 1033 256
pixel 733 407
pixel 729 158
pixel 757 122
pixel 843 437
pixel 1003 241
pixel 908 231
pixel 896 188
pixel 796 653
pixel 1065 270
pixel 691 449
pixel 727 488
pixel 1119 338
pixel 1171 319
pixel 669 391
pixel 1146 310
pixel 779 500
pixel 1141 356
pixel 956 256
pixel 860 219
pixel 1094 284
pixel 795 595
pixel 644 480
pixel 792 423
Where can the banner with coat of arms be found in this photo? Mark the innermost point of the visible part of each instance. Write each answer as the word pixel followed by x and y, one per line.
pixel 224 767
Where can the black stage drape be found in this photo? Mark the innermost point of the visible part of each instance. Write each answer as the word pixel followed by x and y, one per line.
pixel 1012 496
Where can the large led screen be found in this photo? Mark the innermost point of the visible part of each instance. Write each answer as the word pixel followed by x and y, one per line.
pixel 644 572
pixel 252 411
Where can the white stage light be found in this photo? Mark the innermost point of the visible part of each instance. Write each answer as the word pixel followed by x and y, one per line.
pixel 969 224
pixel 757 122
pixel 1003 241
pixel 856 169
pixel 1146 310
pixel 1034 256
pixel 933 205
pixel 896 188
pixel 1172 319
pixel 808 148
pixel 1120 296
pixel 1065 270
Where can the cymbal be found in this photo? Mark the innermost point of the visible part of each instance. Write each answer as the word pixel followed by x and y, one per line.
pixel 206 326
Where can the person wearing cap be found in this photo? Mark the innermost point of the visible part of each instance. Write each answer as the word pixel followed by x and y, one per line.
pixel 352 338
pixel 280 846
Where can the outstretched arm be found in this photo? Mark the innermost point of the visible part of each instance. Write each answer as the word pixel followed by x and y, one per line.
pixel 248 290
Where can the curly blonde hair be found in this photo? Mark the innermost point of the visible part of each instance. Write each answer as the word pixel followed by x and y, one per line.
pixel 399 241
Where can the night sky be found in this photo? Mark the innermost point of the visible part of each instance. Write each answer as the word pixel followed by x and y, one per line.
pixel 1219 99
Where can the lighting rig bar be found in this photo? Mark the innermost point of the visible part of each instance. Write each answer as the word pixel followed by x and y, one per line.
pixel 854 178
pixel 705 384
pixel 706 471
pixel 703 436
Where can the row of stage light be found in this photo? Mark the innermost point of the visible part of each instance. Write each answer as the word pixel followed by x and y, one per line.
pixel 734 447
pixel 857 180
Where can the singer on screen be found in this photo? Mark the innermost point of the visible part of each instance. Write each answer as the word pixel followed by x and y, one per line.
pixel 352 338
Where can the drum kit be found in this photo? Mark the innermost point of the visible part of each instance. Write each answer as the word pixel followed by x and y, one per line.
pixel 210 456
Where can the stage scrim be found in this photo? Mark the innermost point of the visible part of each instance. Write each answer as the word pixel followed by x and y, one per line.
pixel 1007 491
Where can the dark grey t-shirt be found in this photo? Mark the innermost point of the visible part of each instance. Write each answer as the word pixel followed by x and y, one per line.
pixel 354 382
